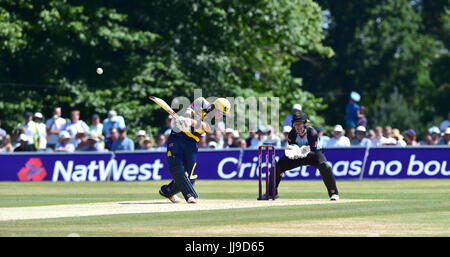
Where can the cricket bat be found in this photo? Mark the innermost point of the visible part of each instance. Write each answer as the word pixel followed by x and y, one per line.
pixel 164 105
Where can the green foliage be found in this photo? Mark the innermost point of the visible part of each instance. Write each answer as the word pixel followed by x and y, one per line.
pixel 51 49
pixel 394 111
pixel 380 45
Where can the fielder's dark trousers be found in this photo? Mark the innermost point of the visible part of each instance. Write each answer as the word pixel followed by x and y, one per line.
pixel 316 159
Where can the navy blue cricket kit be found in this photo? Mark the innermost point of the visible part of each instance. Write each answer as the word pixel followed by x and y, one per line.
pixel 182 159
pixel 182 148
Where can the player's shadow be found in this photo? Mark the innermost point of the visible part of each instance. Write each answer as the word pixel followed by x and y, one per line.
pixel 148 203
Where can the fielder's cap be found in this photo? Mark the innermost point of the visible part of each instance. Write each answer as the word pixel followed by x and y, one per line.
pixel 447 131
pixel 297 107
pixel 434 130
pixel 96 116
pixel 147 139
pixel 235 134
pixel 141 133
pixel 212 144
pixel 287 129
pixel 361 128
pixel 300 116
pixel 338 128
pixel 319 129
pixel 23 137
pixel 64 135
pixel 38 115
pixel 355 96
pixel 28 114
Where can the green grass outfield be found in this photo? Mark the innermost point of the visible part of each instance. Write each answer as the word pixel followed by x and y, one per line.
pixel 389 208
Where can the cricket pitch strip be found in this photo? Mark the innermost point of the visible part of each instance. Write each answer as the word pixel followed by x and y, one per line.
pixel 146 206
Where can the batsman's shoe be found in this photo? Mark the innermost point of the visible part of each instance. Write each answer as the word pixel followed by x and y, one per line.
pixel 334 197
pixel 172 198
pixel 192 200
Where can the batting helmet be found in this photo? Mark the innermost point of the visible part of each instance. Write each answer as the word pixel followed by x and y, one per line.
pixel 223 105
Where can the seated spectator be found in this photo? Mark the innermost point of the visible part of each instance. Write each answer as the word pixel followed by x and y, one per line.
pixel 360 138
pixel 16 135
pixel 388 135
pixel 41 132
pixel 114 136
pixel 76 126
pixel 92 143
pixel 251 135
pixel 113 121
pixel 398 137
pixel 219 138
pixel 228 138
pixel 2 133
pixel 410 137
pixel 272 138
pixel 242 143
pixel 338 139
pixel 371 135
pixel 202 143
pixel 6 146
pixel 260 137
pixel 322 139
pixel 288 120
pixel 236 138
pixel 350 134
pixel 379 139
pixel 431 137
pixel 141 135
pixel 30 129
pixel 212 145
pixel 123 143
pixel 65 143
pixel 361 119
pixel 446 123
pixel 445 140
pixel 81 141
pixel 24 146
pixel 160 143
pixel 147 144
pixel 286 130
pixel 97 126
pixel 54 126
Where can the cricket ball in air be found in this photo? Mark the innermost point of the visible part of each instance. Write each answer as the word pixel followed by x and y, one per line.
pixel 99 71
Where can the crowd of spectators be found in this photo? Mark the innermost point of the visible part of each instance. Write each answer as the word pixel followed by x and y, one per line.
pixel 72 135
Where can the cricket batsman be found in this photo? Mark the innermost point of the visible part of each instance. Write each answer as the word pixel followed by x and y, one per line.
pixel 303 149
pixel 182 146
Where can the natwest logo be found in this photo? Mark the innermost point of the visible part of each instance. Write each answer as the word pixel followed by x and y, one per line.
pixel 33 171
pixel 99 170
